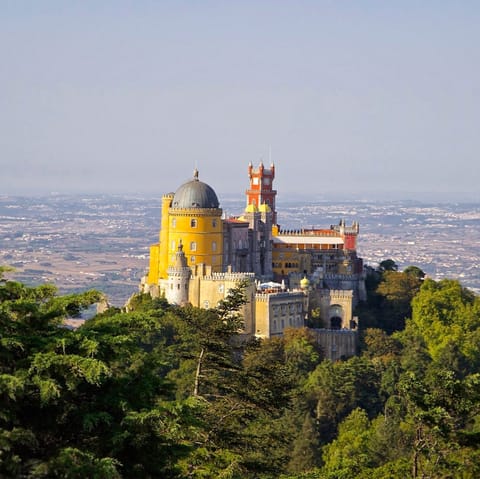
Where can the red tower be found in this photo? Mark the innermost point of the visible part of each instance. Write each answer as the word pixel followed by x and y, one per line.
pixel 261 187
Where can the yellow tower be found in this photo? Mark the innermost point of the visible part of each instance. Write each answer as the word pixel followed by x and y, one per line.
pixel 191 217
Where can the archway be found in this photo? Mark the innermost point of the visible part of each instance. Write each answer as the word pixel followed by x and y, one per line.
pixel 335 314
pixel 336 322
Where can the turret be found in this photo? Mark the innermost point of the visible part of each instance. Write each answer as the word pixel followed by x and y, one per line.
pixel 261 188
pixel 178 277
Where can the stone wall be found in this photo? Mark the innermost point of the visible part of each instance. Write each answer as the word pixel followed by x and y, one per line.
pixel 338 344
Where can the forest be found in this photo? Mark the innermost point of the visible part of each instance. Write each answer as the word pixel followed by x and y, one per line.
pixel 168 392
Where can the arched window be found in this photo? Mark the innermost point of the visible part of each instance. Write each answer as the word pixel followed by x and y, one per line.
pixel 174 222
pixel 193 246
pixel 214 246
pixel 193 223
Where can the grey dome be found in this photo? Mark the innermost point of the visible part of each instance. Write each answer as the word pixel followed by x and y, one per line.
pixel 195 194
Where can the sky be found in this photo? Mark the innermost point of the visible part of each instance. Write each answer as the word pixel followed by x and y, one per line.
pixel 356 97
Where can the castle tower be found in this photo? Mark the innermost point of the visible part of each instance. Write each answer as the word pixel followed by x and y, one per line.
pixel 178 279
pixel 261 187
pixel 266 244
pixel 159 253
pixel 192 217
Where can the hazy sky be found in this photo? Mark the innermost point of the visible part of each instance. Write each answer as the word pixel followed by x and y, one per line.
pixel 129 96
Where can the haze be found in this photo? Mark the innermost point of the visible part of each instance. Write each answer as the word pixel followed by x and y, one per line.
pixel 346 97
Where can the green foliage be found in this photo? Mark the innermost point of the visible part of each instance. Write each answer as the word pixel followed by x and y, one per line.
pixel 347 455
pixel 446 316
pixel 163 391
pixel 414 271
pixel 390 294
pixel 387 265
pixel 338 388
pixel 72 463
pixel 306 447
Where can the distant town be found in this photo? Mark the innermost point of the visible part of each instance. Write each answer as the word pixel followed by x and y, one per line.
pixel 102 242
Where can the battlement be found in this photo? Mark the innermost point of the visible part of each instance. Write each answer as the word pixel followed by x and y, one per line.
pixel 338 293
pixel 308 232
pixel 173 271
pixel 229 276
pixel 346 230
pixel 196 211
pixel 265 297
pixel 343 276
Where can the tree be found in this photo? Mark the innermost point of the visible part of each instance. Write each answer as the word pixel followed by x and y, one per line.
pixel 447 317
pixel 348 455
pixel 397 291
pixel 387 265
pixel 335 389
pixel 91 402
pixel 414 271
pixel 306 448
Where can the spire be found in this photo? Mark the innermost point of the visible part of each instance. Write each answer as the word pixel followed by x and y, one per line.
pixel 180 259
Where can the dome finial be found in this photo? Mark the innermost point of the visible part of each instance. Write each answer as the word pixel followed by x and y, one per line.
pixel 195 174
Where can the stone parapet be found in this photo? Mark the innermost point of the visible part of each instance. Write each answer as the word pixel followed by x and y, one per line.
pixel 280 295
pixel 229 276
pixel 195 211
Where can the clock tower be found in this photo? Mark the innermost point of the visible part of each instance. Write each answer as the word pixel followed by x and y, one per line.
pixel 261 188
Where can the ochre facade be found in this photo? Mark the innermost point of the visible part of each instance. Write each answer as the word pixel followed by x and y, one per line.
pixel 201 255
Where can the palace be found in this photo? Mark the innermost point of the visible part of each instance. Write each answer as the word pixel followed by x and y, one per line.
pixel 293 277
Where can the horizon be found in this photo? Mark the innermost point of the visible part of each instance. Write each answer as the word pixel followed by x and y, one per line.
pixel 306 197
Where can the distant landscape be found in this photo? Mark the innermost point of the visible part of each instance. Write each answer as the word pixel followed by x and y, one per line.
pixel 102 242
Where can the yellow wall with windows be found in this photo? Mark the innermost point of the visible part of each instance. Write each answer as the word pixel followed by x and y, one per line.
pixel 200 230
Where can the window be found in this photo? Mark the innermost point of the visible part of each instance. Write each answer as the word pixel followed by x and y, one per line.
pixel 193 223
pixel 193 246
pixel 214 246
pixel 172 245
pixel 192 259
pixel 174 222
pixel 214 223
pixel 206 304
pixel 220 288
